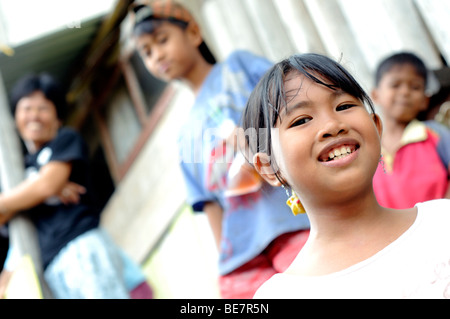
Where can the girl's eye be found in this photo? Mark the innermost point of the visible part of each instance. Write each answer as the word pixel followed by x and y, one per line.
pixel 417 87
pixel 44 108
pixel 344 107
pixel 161 39
pixel 301 121
pixel 145 53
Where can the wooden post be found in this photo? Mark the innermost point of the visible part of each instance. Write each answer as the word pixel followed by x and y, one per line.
pixel 22 231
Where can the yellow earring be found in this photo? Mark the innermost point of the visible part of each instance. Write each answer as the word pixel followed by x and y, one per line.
pixel 295 204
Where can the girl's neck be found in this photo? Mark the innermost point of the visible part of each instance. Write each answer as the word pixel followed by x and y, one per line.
pixel 196 76
pixel 344 218
pixel 344 235
pixel 32 147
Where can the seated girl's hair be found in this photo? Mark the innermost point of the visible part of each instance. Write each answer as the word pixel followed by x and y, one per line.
pixel 268 98
pixel 45 83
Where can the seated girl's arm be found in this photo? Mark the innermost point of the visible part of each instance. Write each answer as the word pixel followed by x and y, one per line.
pixel 49 182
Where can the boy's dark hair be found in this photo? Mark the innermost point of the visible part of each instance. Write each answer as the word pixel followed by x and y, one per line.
pixel 148 17
pixel 45 83
pixel 399 59
pixel 268 99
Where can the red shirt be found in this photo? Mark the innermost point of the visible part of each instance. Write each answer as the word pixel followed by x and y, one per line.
pixel 415 173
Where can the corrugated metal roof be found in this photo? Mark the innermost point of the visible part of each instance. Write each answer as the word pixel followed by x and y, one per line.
pixel 60 53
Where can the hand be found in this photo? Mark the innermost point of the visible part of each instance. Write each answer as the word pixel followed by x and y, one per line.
pixel 70 193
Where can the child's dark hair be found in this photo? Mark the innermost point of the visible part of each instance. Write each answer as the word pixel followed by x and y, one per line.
pixel 399 59
pixel 45 83
pixel 148 24
pixel 268 99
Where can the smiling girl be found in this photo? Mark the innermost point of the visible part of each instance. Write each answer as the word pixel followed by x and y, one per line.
pixel 322 142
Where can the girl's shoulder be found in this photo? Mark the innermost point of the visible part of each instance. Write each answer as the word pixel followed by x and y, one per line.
pixel 437 206
pixel 247 59
pixel 68 145
pixel 434 216
pixel 66 132
pixel 240 54
pixel 66 137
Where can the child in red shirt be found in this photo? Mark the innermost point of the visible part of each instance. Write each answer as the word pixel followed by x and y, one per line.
pixel 415 158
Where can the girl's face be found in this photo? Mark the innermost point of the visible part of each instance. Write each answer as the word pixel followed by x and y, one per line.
pixel 328 144
pixel 170 51
pixel 36 119
pixel 401 93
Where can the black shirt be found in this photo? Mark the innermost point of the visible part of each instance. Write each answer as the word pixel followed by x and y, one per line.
pixel 56 223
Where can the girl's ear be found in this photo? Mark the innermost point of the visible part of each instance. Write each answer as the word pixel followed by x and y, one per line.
pixel 195 34
pixel 261 162
pixel 378 123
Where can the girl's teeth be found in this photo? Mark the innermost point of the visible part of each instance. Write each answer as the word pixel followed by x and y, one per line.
pixel 34 126
pixel 339 153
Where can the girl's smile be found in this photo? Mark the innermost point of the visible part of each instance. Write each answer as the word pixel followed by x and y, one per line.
pixel 339 153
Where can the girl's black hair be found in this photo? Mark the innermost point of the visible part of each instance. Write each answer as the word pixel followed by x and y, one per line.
pixel 149 25
pixel 268 99
pixel 45 83
pixel 398 59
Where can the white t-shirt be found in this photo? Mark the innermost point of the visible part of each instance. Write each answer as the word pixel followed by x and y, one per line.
pixel 416 265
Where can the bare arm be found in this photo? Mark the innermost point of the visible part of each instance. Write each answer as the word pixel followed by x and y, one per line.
pixel 49 182
pixel 214 213
pixel 5 276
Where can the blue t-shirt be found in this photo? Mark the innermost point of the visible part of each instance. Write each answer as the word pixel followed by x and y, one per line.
pixel 252 221
pixel 56 223
pixel 443 147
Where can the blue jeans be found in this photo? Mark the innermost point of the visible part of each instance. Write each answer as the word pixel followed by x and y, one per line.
pixel 89 267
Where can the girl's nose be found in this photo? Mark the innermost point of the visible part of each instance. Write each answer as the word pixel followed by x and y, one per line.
pixel 32 113
pixel 157 53
pixel 332 127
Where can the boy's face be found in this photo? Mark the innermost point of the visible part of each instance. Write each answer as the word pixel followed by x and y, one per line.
pixel 169 52
pixel 401 94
